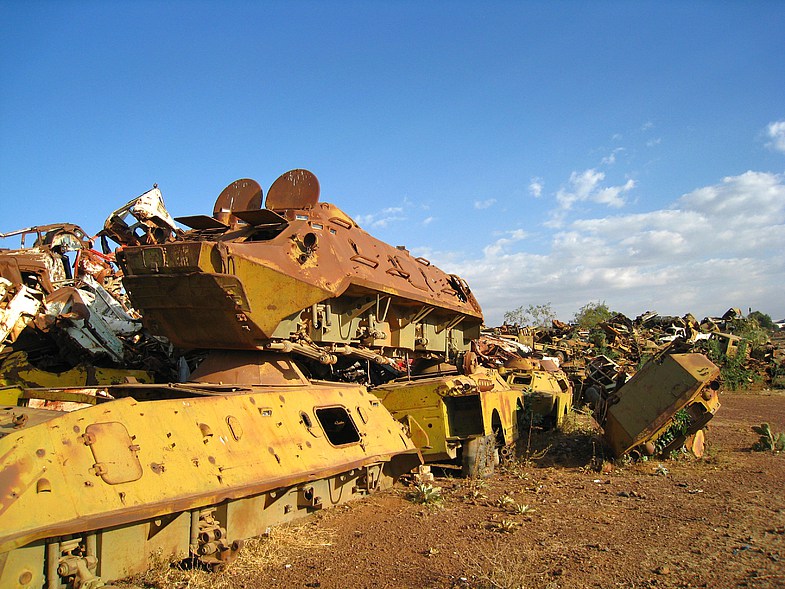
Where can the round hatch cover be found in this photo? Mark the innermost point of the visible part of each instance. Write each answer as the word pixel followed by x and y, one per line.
pixel 296 189
pixel 240 195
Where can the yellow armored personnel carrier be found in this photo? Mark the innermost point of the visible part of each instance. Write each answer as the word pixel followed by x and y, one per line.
pixel 467 421
pixel 547 390
pixel 95 481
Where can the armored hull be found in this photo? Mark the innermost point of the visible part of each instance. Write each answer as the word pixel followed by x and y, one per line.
pixel 180 470
pixel 640 414
pixel 467 420
pixel 299 271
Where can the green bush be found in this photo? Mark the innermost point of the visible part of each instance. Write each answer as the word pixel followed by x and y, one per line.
pixel 768 440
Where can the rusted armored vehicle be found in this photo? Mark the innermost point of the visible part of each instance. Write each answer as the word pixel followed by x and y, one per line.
pixel 97 479
pixel 547 391
pixel 297 276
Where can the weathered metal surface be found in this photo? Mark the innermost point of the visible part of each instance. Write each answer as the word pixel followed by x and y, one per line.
pixel 443 413
pixel 125 464
pixel 143 220
pixel 301 272
pixel 547 393
pixel 240 195
pixel 18 308
pixel 62 307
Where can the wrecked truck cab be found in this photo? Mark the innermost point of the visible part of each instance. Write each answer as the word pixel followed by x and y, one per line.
pixel 669 400
pixel 44 264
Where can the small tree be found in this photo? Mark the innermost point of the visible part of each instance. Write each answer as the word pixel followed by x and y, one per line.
pixel 534 315
pixel 752 331
pixel 592 314
pixel 763 320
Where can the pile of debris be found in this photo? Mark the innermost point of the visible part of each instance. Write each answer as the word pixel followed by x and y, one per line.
pixel 65 319
pixel 624 367
pixel 612 352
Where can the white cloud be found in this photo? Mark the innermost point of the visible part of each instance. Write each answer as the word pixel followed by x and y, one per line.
pixel 428 220
pixel 647 126
pixel 500 245
pixel 580 187
pixel 535 187
pixel 776 132
pixel 611 159
pixel 715 247
pixel 484 204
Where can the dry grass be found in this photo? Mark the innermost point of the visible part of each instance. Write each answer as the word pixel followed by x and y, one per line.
pixel 259 558
pixel 500 565
pixel 578 421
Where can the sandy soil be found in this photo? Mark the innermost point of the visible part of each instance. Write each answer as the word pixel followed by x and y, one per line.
pixel 715 522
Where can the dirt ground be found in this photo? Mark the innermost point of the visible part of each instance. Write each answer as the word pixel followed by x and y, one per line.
pixel 715 522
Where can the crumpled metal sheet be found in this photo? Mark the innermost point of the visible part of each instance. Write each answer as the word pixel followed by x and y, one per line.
pixel 18 308
pixel 152 225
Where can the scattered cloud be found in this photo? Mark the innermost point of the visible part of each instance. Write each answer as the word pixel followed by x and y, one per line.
pixel 715 247
pixel 653 142
pixel 776 132
pixel 381 218
pixel 500 245
pixel 587 186
pixel 611 159
pixel 647 126
pixel 484 204
pixel 428 220
pixel 535 187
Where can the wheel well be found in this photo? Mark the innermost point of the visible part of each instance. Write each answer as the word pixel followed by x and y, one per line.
pixel 496 426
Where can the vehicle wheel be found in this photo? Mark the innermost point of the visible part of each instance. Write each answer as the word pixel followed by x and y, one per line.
pixel 479 457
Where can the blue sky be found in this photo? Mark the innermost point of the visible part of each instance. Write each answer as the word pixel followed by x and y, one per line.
pixel 559 152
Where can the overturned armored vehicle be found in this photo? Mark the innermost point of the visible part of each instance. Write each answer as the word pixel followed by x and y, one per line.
pixel 298 276
pixel 665 405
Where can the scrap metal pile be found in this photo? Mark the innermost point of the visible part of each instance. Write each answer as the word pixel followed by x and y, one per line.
pixel 615 349
pixel 194 387
pixel 648 380
pixel 65 319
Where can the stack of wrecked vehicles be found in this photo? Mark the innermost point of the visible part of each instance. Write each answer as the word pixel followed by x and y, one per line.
pixel 269 362
pixel 295 311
